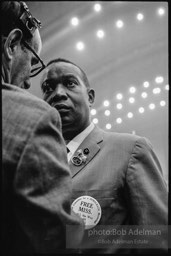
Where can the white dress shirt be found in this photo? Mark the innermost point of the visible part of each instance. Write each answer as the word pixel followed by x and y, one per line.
pixel 76 141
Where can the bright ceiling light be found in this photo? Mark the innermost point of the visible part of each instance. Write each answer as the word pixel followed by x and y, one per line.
pixel 130 115
pixel 119 106
pixel 100 33
pixel 167 87
pixel 162 103
pixel 119 24
pixel 107 112
pixel 106 103
pixel 119 120
pixel 95 121
pixel 152 106
pixel 159 79
pixel 156 90
pixel 93 112
pixel 119 96
pixel 132 89
pixel 141 110
pixel 80 46
pixel 131 100
pixel 97 7
pixel 146 84
pixel 74 21
pixel 161 11
pixel 108 126
pixel 144 95
pixel 140 16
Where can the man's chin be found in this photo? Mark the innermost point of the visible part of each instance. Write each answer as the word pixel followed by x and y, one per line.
pixel 66 122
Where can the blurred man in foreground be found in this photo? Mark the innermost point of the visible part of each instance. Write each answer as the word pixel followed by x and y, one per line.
pixel 36 183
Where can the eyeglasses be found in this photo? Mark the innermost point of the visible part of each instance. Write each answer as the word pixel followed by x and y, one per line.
pixel 35 71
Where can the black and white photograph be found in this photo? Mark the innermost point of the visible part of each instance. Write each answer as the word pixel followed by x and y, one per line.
pixel 85 129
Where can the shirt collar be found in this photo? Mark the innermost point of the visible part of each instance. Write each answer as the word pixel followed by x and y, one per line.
pixel 77 140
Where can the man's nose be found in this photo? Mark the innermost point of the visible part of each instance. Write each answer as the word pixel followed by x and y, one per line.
pixel 60 92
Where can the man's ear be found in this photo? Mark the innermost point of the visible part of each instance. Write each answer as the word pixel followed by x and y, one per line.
pixel 12 42
pixel 91 94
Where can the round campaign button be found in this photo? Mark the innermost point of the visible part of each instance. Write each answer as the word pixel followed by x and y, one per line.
pixel 86 151
pixel 88 209
pixel 76 160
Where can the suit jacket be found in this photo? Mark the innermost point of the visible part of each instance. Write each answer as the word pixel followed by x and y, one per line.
pixel 36 180
pixel 123 174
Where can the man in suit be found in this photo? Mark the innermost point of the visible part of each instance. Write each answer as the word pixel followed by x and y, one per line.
pixel 117 178
pixel 36 180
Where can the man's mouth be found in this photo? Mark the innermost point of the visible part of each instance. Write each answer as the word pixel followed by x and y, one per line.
pixel 62 107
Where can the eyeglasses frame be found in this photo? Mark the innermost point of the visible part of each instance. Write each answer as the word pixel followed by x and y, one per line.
pixel 35 54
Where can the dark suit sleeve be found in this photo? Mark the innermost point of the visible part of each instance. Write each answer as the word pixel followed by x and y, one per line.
pixel 146 188
pixel 43 187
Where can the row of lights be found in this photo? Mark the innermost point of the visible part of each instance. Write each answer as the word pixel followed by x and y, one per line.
pixel 146 84
pixel 160 11
pixel 132 90
pixel 119 24
pixel 119 106
pixel 131 100
pixel 130 114
pixel 144 95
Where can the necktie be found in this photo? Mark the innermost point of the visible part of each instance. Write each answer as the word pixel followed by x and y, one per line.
pixel 68 150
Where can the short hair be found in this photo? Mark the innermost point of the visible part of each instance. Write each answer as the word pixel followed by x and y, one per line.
pixel 84 76
pixel 15 14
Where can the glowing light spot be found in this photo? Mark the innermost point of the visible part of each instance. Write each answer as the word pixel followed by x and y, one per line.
pixel 119 106
pixel 144 95
pixel 152 106
pixel 132 89
pixel 140 16
pixel 167 87
pixel 119 96
pixel 97 7
pixel 93 112
pixel 162 103
pixel 119 120
pixel 159 79
pixel 131 100
pixel 130 115
pixel 108 126
pixel 156 90
pixel 95 120
pixel 106 103
pixel 141 110
pixel 161 11
pixel 74 21
pixel 107 112
pixel 100 33
pixel 119 24
pixel 146 84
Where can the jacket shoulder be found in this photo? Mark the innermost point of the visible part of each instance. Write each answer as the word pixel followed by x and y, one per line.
pixel 22 101
pixel 125 141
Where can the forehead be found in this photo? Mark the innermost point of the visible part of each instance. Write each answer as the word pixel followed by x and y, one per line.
pixel 61 69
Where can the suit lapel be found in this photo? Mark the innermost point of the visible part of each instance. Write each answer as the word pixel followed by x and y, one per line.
pixel 92 142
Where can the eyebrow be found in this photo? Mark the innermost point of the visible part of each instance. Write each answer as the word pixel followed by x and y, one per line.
pixel 63 77
pixel 67 76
